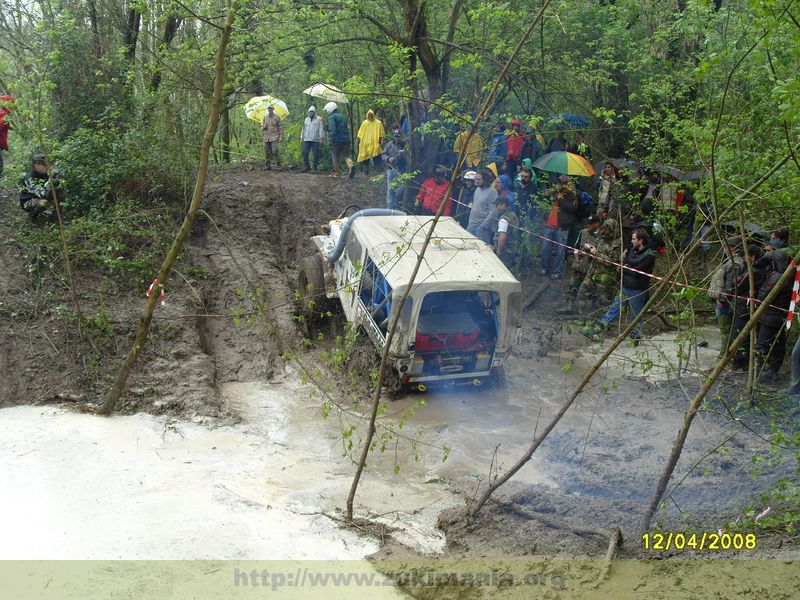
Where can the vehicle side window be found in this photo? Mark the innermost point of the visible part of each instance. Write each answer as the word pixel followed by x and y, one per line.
pixel 376 293
pixel 354 249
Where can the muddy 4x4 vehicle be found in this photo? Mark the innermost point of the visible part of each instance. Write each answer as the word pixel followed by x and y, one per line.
pixel 464 310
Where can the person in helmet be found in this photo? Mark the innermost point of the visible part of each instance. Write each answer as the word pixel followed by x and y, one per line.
pixel 339 137
pixel 465 192
pixel 36 196
pixel 311 138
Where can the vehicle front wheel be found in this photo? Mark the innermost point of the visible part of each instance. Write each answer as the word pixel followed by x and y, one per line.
pixel 311 298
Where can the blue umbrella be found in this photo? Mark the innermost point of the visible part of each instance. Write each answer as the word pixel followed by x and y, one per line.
pixel 571 119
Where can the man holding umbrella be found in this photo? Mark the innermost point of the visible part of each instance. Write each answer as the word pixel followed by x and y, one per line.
pixel 273 134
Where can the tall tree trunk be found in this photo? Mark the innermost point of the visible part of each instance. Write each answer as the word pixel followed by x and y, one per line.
pixel 143 327
pixel 132 33
pixel 98 50
pixel 170 31
pixel 225 130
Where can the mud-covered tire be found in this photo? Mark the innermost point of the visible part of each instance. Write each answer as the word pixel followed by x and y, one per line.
pixel 311 300
pixel 392 386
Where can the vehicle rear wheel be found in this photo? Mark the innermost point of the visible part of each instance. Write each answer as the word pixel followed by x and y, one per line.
pixel 311 292
pixel 499 378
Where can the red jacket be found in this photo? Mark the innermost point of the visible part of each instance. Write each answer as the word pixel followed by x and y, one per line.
pixel 431 195
pixel 514 142
pixel 4 112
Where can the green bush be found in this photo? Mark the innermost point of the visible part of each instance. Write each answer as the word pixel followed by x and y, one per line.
pixel 104 163
pixel 124 243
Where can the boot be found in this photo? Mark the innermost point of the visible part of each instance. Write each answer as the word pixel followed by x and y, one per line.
pixel 366 168
pixel 725 322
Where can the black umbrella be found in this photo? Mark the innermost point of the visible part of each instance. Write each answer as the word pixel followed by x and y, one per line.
pixel 751 228
pixel 620 163
pixel 697 175
pixel 673 172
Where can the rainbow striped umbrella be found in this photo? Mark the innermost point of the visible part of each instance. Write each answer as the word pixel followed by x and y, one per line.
pixel 567 163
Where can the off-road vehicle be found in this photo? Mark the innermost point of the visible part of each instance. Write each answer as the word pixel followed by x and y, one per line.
pixel 461 317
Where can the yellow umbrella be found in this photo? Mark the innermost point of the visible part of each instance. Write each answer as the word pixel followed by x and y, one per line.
pixel 257 106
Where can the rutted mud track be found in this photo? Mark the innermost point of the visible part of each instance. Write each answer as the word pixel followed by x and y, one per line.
pixel 263 225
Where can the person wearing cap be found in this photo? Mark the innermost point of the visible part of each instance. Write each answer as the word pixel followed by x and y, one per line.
pixel 36 193
pixel 601 281
pixel 339 138
pixel 556 230
pixel 6 106
pixel 722 290
pixel 466 191
pixel 394 155
pixel 472 148
pixel 514 142
pixel 585 246
pixel 311 138
pixel 505 241
pixel 272 127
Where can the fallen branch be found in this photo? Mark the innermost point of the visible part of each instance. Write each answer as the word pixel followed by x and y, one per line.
pixel 536 293
pixel 580 530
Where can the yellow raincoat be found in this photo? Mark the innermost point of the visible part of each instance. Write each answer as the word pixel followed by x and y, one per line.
pixel 369 136
pixel 472 156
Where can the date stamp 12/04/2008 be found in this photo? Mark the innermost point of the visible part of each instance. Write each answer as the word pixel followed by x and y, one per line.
pixel 703 541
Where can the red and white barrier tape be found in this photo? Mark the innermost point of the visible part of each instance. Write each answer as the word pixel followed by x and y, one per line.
pixel 150 289
pixel 793 303
pixel 657 277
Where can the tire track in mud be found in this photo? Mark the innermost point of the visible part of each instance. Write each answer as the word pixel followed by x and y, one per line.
pixel 266 219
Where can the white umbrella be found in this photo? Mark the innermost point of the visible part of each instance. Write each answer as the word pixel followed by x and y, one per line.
pixel 257 106
pixel 326 92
